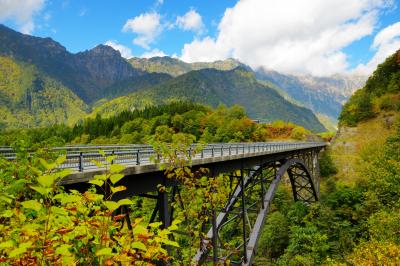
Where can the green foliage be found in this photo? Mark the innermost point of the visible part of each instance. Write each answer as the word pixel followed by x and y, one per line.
pixel 326 165
pixel 384 80
pixel 162 122
pixel 307 246
pixel 29 98
pixel 358 108
pixel 275 236
pixel 42 224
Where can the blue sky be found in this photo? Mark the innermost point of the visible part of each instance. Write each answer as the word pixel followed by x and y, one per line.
pixel 319 37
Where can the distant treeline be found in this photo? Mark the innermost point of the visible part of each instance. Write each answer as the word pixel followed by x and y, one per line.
pixel 203 123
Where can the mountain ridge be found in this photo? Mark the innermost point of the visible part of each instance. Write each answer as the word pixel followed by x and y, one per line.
pixel 214 87
pixel 100 74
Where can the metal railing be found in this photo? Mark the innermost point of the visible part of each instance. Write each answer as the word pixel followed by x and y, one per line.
pixel 82 158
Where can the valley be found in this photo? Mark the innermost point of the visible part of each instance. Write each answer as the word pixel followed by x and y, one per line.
pixel 107 160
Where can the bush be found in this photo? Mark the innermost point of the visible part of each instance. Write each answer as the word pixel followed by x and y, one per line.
pixel 326 165
pixel 358 108
pixel 41 224
pixel 387 103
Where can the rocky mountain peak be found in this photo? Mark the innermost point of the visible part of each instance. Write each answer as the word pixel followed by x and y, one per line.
pixel 102 50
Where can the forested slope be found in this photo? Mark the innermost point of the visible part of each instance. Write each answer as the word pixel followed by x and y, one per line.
pixel 357 220
pixel 29 98
pixel 214 87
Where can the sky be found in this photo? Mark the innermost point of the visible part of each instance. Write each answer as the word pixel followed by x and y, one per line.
pixel 318 37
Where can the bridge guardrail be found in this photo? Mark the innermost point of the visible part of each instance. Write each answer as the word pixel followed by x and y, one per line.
pixel 81 157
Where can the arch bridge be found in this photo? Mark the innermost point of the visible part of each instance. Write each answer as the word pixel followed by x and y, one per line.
pixel 254 170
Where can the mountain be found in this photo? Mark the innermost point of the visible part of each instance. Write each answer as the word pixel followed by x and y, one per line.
pixel 87 73
pixel 133 84
pixel 176 67
pixel 30 98
pixel 214 87
pixel 54 84
pixel 323 95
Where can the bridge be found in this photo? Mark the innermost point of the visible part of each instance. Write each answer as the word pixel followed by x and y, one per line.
pixel 254 170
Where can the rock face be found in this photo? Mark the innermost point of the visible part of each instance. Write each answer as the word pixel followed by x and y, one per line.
pixel 105 65
pixel 324 95
pixel 87 73
pixel 176 67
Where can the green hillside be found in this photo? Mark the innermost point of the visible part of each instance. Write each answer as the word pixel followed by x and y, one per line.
pixel 88 74
pixel 29 98
pixel 214 87
pixel 381 92
pixel 133 84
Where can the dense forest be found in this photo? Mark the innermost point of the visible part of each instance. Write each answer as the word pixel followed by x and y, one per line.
pixel 203 123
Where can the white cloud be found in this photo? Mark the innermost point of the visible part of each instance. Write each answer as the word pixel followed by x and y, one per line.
pixel 386 42
pixel 125 51
pixel 82 12
pixel 153 53
pixel 159 2
pixel 191 21
pixel 21 11
pixel 147 26
pixel 289 36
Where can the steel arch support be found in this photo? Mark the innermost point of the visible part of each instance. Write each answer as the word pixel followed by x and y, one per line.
pixel 302 182
pixel 292 167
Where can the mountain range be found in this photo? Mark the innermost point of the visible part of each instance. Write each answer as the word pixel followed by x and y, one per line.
pixel 41 83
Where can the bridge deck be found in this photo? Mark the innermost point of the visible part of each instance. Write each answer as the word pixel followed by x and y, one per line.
pixel 138 158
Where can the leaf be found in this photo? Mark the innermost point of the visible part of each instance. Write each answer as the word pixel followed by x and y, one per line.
pixel 7 214
pixel 155 225
pixel 59 211
pixel 109 159
pixel 174 225
pixel 60 160
pixel 64 173
pixel 140 230
pixel 20 250
pixel 7 244
pixel 63 249
pixel 43 191
pixel 116 177
pixel 170 243
pixel 97 182
pixel 118 189
pixel 46 180
pixel 32 204
pixel 67 198
pixel 104 252
pixel 139 245
pixel 116 168
pixel 48 166
pixel 111 205
pixel 102 153
pixel 125 202
pixel 6 199
pixel 16 252
pixel 100 177
pixel 97 163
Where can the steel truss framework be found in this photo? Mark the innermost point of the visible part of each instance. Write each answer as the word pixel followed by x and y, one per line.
pixel 235 230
